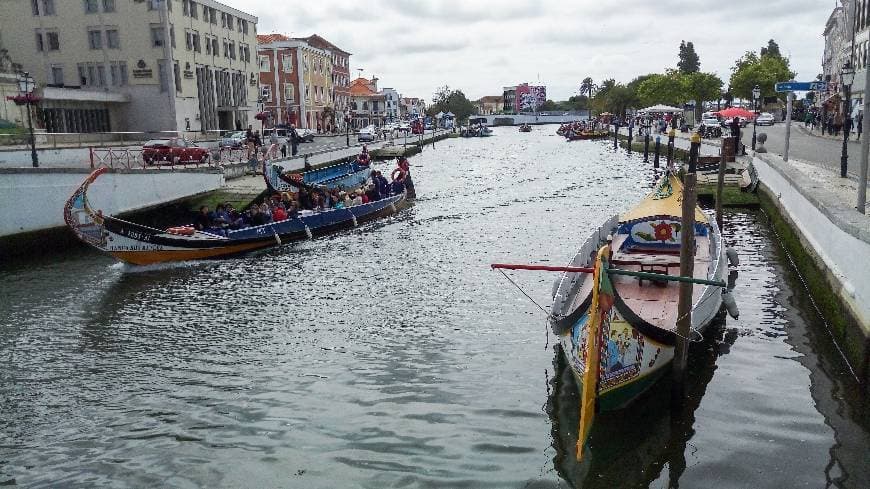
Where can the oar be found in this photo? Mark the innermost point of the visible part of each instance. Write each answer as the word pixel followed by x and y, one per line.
pixel 614 271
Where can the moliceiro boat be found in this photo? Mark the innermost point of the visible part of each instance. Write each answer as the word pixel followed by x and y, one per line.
pixel 341 176
pixel 570 136
pixel 638 312
pixel 143 245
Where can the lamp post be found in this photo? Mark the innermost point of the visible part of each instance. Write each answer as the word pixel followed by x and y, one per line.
pixel 25 95
pixel 848 76
pixel 756 95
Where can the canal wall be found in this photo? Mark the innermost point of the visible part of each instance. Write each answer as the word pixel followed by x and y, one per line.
pixel 829 244
pixel 531 119
pixel 33 199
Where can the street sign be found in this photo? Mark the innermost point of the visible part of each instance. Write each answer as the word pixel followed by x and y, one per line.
pixel 799 86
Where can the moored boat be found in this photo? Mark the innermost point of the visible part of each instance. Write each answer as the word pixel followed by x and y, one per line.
pixel 638 333
pixel 575 136
pixel 342 176
pixel 143 245
pixel 525 128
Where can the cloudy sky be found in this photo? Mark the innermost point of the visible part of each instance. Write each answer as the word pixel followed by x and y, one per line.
pixel 480 46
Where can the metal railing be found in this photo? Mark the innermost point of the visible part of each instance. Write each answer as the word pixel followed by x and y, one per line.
pixel 134 158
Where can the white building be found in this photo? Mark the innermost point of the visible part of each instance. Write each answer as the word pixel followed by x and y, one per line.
pixel 391 103
pixel 143 65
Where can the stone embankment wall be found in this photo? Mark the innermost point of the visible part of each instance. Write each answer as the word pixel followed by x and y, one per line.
pixel 834 256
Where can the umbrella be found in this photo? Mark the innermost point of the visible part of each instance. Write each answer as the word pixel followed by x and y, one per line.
pixel 736 112
pixel 661 108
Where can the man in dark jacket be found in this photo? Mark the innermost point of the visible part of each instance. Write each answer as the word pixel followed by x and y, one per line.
pixel 735 131
pixel 293 136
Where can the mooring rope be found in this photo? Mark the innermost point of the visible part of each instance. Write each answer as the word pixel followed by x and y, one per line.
pixel 546 325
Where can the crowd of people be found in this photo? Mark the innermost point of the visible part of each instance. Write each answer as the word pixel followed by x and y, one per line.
pixel 289 205
pixel 259 152
pixel 833 123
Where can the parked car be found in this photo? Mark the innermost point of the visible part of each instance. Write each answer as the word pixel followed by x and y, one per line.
pixel 727 122
pixel 307 135
pixel 765 119
pixel 232 140
pixel 366 134
pixel 403 126
pixel 173 150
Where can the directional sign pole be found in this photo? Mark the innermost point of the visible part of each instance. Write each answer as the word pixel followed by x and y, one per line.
pixel 789 98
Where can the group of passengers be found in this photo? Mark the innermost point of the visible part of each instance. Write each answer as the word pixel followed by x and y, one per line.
pixel 287 205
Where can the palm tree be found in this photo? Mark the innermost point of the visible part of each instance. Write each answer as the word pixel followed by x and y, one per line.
pixel 587 86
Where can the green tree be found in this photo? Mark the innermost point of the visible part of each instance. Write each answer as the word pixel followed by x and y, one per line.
pixel 701 87
pixel 764 71
pixel 578 102
pixel 772 49
pixel 549 105
pixel 447 100
pixel 587 87
pixel 660 88
pixel 689 60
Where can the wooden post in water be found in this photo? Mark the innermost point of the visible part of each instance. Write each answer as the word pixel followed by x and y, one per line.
pixel 646 146
pixel 720 187
pixel 687 269
pixel 615 135
pixel 671 136
pixel 658 151
pixel 630 127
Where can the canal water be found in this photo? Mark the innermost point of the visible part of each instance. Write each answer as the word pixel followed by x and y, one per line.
pixel 392 356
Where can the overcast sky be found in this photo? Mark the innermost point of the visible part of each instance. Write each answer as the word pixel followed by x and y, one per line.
pixel 480 46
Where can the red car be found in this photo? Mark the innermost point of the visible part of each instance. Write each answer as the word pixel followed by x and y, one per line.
pixel 173 150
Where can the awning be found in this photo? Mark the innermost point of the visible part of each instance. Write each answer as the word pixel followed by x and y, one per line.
pixel 661 108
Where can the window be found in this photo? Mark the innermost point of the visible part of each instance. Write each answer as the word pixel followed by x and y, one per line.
pixel 172 34
pixel 113 41
pixel 266 93
pixel 226 49
pixel 156 36
pixel 214 46
pixel 118 73
pixel 188 40
pixel 101 75
pixel 196 45
pixel 95 39
pixel 34 6
pixel 287 63
pixel 39 44
pixel 108 6
pixel 162 75
pixel 245 27
pixel 223 19
pixel 289 94
pixel 264 63
pixel 53 41
pixel 47 7
pixel 57 75
pixel 91 7
pixel 207 45
pixel 245 53
pixel 185 8
pixel 193 10
pixel 232 46
pixel 229 22
pixel 213 16
pixel 177 70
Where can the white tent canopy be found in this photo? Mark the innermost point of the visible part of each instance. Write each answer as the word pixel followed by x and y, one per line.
pixel 660 108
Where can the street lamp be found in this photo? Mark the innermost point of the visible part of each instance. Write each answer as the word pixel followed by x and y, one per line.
pixel 26 98
pixel 756 94
pixel 847 75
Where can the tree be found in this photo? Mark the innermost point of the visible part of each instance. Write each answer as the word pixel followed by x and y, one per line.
pixel 660 88
pixel 587 87
pixel 689 60
pixel 701 87
pixel 772 49
pixel 578 102
pixel 447 100
pixel 764 71
pixel 549 105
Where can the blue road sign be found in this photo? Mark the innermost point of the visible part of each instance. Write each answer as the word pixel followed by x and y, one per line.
pixel 799 86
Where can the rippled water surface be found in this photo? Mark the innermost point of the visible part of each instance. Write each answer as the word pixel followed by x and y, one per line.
pixel 391 356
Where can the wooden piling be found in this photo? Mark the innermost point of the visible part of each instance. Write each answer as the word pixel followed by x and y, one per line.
pixel 646 146
pixel 658 152
pixel 687 269
pixel 720 187
pixel 671 136
pixel 615 136
pixel 630 127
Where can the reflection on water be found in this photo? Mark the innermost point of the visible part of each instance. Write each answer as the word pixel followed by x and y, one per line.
pixel 391 356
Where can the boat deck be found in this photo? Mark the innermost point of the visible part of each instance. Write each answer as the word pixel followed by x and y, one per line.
pixel 656 302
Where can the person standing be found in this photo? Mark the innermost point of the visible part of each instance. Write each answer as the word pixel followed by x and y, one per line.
pixel 735 131
pixel 294 140
pixel 249 140
pixel 273 145
pixel 859 127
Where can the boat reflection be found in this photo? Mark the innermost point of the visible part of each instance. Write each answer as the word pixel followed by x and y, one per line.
pixel 636 446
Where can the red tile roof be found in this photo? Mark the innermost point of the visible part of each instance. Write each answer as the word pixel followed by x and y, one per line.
pixel 270 38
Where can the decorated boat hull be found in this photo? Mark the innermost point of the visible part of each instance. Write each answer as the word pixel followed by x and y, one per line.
pixel 637 339
pixel 341 176
pixel 142 245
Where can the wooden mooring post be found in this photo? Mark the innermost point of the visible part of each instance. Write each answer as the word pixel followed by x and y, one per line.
pixel 672 135
pixel 658 151
pixel 615 135
pixel 646 146
pixel 687 269
pixel 720 187
pixel 630 128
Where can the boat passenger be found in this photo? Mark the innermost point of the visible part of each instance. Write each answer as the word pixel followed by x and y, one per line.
pixel 202 221
pixel 266 211
pixel 364 159
pixel 255 217
pixel 279 214
pixel 382 184
pixel 355 199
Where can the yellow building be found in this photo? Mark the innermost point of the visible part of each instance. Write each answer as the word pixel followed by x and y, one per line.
pixel 316 77
pixel 121 65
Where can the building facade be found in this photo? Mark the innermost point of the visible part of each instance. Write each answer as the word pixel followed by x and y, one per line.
pixel 392 99
pixel 366 104
pixel 296 82
pixel 151 65
pixel 509 97
pixel 340 77
pixel 528 98
pixel 412 107
pixel 490 104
